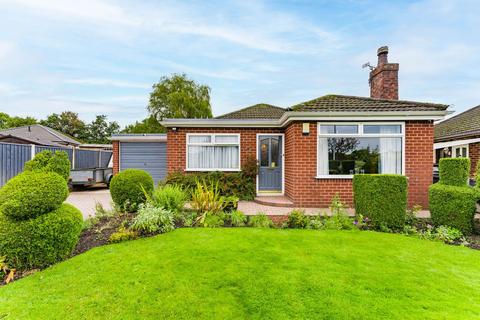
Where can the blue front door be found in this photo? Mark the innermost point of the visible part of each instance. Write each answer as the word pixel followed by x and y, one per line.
pixel 270 158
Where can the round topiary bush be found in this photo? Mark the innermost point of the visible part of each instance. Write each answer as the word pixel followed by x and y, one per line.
pixel 42 241
pixel 31 194
pixel 128 188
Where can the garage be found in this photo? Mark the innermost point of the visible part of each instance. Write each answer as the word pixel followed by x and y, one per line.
pixel 141 151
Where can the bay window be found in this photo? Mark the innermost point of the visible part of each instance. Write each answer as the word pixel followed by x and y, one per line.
pixel 345 149
pixel 212 152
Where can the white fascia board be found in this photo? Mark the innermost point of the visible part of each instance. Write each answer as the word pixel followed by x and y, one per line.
pixel 441 145
pixel 308 116
pixel 139 138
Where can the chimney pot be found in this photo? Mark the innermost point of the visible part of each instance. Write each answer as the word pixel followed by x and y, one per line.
pixel 382 54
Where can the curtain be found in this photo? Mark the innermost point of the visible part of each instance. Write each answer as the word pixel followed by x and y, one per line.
pixel 213 157
pixel 391 155
pixel 322 156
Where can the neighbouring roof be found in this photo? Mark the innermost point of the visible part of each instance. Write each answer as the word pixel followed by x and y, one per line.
pixel 41 135
pixel 341 103
pixel 463 125
pixel 257 111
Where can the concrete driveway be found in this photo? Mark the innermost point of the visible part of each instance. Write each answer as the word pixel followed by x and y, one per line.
pixel 85 200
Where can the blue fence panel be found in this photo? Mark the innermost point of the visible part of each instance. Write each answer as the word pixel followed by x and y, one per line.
pixel 86 159
pixel 12 160
pixel 105 157
pixel 69 151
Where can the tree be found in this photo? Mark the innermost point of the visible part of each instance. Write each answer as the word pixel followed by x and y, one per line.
pixel 66 122
pixel 7 121
pixel 99 130
pixel 147 125
pixel 179 97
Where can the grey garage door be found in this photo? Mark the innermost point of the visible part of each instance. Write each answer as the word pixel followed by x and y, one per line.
pixel 148 156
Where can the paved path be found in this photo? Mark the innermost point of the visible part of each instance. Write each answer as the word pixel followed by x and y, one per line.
pixel 85 200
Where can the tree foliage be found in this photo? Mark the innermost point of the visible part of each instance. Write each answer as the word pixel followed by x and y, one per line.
pixel 100 130
pixel 147 125
pixel 66 122
pixel 7 121
pixel 179 97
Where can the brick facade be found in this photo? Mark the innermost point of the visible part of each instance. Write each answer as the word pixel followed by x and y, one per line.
pixel 301 184
pixel 474 155
pixel 116 156
pixel 176 144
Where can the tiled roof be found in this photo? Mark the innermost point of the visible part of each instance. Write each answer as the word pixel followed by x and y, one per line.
pixel 39 134
pixel 340 103
pixel 258 111
pixel 463 125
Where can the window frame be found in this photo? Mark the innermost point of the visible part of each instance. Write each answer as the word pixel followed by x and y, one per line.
pixel 212 143
pixel 360 134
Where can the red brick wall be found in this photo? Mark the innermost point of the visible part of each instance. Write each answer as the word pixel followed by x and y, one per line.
pixel 301 162
pixel 419 160
pixel 301 169
pixel 176 143
pixel 116 155
pixel 384 81
pixel 474 155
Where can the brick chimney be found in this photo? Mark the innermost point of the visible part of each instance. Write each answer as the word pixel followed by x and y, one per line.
pixel 384 78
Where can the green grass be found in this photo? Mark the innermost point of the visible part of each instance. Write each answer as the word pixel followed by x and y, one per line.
pixel 255 274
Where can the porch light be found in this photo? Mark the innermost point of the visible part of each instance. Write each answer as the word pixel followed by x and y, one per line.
pixel 306 128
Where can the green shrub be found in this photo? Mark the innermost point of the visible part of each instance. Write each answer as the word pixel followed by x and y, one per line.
pixel 48 161
pixel 169 197
pixel 130 188
pixel 477 175
pixel 339 219
pixel 453 206
pixel 236 184
pixel 316 223
pixel 206 198
pixel 122 234
pixel 260 220
pixel 31 194
pixel 214 220
pixel 184 218
pixel 382 198
pixel 151 219
pixel 237 218
pixel 297 220
pixel 454 171
pixel 41 241
pixel 448 234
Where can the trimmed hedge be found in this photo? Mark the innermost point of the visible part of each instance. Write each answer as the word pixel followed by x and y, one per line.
pixel 128 188
pixel 237 184
pixel 454 171
pixel 453 206
pixel 382 198
pixel 50 162
pixel 32 193
pixel 477 175
pixel 42 241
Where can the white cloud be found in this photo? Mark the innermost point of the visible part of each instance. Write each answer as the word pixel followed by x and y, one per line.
pixel 108 82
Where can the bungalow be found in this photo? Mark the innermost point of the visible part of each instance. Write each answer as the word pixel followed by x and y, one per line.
pixel 309 152
pixel 459 136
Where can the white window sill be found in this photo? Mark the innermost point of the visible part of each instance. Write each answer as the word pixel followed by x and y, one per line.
pixel 211 170
pixel 348 176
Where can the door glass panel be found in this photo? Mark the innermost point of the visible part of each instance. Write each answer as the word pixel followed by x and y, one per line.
pixel 274 152
pixel 264 151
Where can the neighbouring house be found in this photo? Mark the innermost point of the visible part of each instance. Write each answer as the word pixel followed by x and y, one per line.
pixel 310 151
pixel 38 135
pixel 459 136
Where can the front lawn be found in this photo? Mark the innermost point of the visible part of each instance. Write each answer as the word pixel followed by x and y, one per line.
pixel 256 274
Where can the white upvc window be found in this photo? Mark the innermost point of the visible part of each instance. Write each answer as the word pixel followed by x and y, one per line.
pixel 213 152
pixel 345 149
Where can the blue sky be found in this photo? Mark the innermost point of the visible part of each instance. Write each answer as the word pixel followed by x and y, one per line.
pixel 101 57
